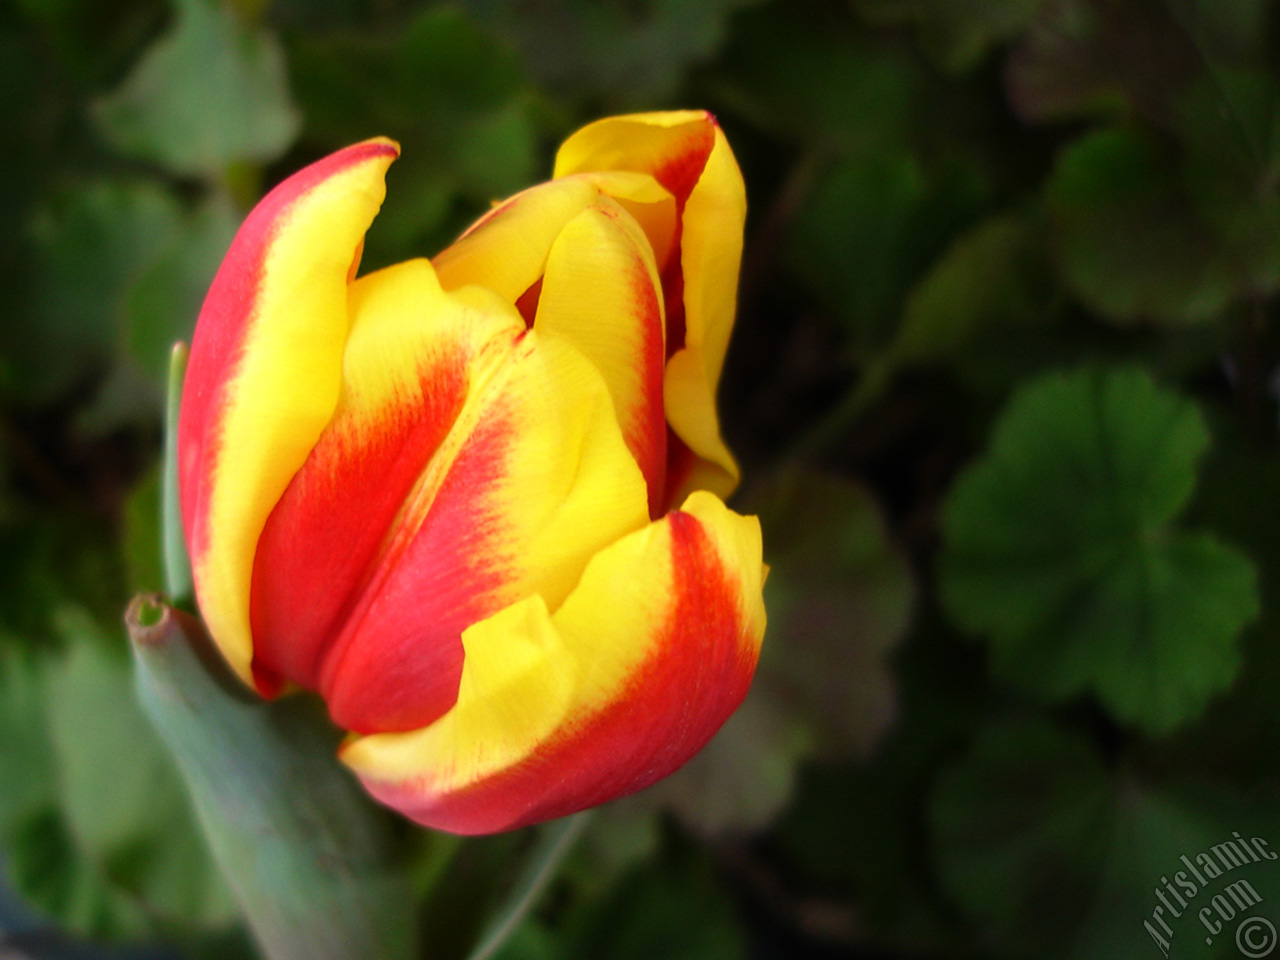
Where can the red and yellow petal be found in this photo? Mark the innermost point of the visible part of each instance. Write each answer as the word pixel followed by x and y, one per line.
pixel 414 357
pixel 265 371
pixel 601 292
pixel 671 146
pixel 688 154
pixel 506 250
pixel 618 687
pixel 530 480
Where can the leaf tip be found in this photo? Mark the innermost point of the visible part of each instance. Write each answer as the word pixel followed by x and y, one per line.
pixel 147 619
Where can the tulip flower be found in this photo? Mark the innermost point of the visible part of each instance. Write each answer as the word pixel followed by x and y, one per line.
pixel 476 502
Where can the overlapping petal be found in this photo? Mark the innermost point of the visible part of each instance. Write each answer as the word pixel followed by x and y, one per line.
pixel 687 153
pixel 414 357
pixel 265 371
pixel 471 463
pixel 601 293
pixel 538 480
pixel 506 250
pixel 560 709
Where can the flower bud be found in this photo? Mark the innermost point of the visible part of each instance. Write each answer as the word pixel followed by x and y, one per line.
pixel 475 502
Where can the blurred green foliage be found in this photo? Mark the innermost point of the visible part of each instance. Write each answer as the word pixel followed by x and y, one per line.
pixel 1059 550
pixel 1004 385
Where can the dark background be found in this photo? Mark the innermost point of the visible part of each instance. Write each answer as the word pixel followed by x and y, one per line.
pixel 1003 385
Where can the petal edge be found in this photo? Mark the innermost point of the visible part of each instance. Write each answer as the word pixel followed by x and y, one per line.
pixel 563 711
pixel 265 369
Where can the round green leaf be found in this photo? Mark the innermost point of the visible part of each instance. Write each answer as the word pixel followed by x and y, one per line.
pixel 991 276
pixel 164 303
pixel 1052 855
pixel 1060 551
pixel 1020 822
pixel 1129 244
pixel 26 769
pixel 92 242
pixel 957 36
pixel 210 92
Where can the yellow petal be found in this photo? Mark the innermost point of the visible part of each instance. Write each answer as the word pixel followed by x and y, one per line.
pixel 601 293
pixel 265 371
pixel 506 249
pixel 687 153
pixel 691 411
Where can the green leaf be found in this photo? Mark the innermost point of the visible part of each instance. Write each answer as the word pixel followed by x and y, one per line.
pixel 841 596
pixel 92 243
pixel 165 301
pixel 957 35
pixel 209 93
pixel 991 276
pixel 1060 550
pixel 1129 244
pixel 1021 823
pixel 610 51
pixel 819 78
pixel 1052 855
pixel 310 858
pixel 126 811
pixel 177 561
pixel 26 767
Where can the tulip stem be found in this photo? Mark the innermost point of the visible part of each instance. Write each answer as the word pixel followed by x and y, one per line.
pixel 555 841
pixel 312 862
pixel 177 563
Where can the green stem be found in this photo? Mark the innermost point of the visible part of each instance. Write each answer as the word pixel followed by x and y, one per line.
pixel 310 859
pixel 554 843
pixel 177 563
